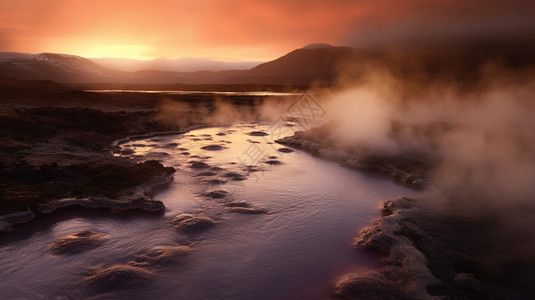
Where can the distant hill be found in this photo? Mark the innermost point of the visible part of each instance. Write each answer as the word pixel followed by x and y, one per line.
pixel 320 63
pixel 302 66
pixel 56 67
pixel 315 62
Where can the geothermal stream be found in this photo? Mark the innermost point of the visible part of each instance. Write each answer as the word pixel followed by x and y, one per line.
pixel 296 249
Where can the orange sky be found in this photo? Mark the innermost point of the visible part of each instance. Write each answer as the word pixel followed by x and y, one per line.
pixel 232 30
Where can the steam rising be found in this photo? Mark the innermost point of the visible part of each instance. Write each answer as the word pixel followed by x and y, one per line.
pixel 484 138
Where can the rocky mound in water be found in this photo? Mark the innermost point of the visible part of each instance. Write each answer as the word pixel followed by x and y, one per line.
pixel 248 210
pixel 217 194
pixel 235 176
pixel 368 287
pixel 244 208
pixel 161 256
pixel 213 147
pixel 78 242
pixel 151 206
pixel 285 150
pixel 257 133
pixel 192 224
pixel 117 277
pixel 199 165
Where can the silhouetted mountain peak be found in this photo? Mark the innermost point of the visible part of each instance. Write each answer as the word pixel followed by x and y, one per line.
pixel 317 46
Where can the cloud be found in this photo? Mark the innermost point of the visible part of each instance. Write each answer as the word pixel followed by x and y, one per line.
pixel 257 30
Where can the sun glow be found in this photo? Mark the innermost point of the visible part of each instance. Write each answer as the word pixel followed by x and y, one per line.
pixel 140 52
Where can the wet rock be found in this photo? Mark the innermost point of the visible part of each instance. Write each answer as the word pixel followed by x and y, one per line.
pixel 172 145
pixel 237 204
pixel 273 157
pixel 19 217
pixel 216 169
pixel 257 133
pixel 157 154
pixel 78 242
pixel 235 176
pixel 248 210
pixel 285 150
pixel 152 206
pixel 127 151
pixel 117 277
pixel 199 165
pixel 213 147
pixel 206 174
pixel 273 162
pixel 253 169
pixel 221 134
pixel 217 194
pixel 367 286
pixel 161 256
pixel 196 139
pixel 182 149
pixel 185 153
pixel 192 224
pixel 216 181
pixel 405 264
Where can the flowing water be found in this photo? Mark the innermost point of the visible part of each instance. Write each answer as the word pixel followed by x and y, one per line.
pixel 296 250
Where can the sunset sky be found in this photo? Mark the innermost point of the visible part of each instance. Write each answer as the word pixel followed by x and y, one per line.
pixel 244 30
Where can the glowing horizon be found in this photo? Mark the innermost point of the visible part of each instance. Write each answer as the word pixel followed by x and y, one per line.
pixel 240 30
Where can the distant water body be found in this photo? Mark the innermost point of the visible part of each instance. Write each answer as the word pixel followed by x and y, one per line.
pixel 242 93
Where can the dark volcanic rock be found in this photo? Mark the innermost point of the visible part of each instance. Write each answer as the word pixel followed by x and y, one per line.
pixel 199 165
pixel 192 224
pixel 127 151
pixel 117 277
pixel 152 206
pixel 257 133
pixel 78 242
pixel 235 176
pixel 285 150
pixel 237 204
pixel 367 286
pixel 161 256
pixel 213 147
pixel 217 194
pixel 273 162
pixel 248 210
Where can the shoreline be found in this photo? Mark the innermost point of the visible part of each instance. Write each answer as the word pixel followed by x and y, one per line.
pixel 378 164
pixel 134 199
pixel 71 162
